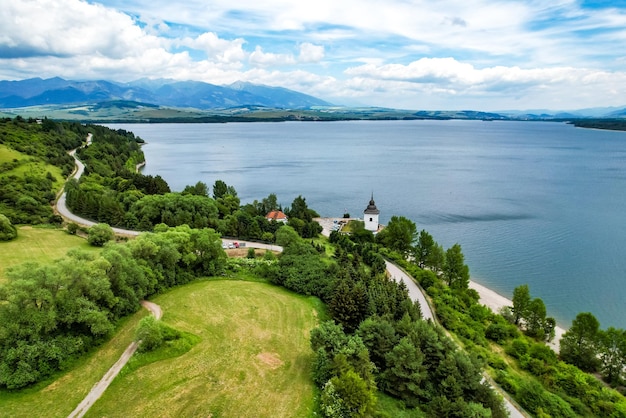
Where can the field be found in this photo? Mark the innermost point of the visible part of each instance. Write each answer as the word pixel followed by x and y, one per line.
pixel 253 359
pixel 38 245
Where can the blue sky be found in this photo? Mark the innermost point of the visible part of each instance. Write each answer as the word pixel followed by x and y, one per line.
pixel 443 54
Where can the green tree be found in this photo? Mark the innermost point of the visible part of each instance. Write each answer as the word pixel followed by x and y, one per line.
pixel 578 345
pixel 455 271
pixel 406 372
pixel 436 259
pixel 99 234
pixel 199 189
pixel 535 319
pixel 353 395
pixel 521 302
pixel 349 304
pixel 220 189
pixel 7 230
pixel 612 350
pixel 398 235
pixel 379 336
pixel 424 248
pixel 286 236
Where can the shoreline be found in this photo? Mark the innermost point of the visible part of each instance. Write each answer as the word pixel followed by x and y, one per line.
pixel 494 301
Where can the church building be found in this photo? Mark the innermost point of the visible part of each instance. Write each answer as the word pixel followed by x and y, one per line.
pixel 370 216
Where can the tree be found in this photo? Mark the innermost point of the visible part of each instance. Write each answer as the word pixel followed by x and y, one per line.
pixel 535 319
pixel 424 248
pixel 455 271
pixel 612 350
pixel 7 230
pixel 406 373
pixel 578 345
pixel 286 235
pixel 199 189
pixel 349 304
pixel 436 259
pixel 398 235
pixel 352 396
pixel 521 302
pixel 99 234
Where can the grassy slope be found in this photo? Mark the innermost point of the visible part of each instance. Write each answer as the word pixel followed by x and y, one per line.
pixel 253 359
pixel 39 245
pixel 29 165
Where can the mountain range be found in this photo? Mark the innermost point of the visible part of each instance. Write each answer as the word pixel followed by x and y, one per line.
pixel 169 93
pixel 149 99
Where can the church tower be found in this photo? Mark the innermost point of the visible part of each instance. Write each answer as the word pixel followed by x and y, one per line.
pixel 370 216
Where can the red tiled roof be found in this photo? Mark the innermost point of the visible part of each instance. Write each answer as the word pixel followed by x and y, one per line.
pixel 276 215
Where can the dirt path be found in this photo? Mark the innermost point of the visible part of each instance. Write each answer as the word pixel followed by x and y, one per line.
pixel 99 388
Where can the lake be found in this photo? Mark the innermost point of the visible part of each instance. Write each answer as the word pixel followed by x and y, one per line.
pixel 540 203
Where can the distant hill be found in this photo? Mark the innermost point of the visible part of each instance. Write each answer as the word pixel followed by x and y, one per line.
pixel 185 94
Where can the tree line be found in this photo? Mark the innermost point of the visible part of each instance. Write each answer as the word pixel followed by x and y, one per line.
pixel 50 314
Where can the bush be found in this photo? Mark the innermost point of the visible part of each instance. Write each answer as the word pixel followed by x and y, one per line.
pixel 7 230
pixel 99 235
pixel 72 228
pixel 152 333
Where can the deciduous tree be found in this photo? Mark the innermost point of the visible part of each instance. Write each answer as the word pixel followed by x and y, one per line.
pixel 578 345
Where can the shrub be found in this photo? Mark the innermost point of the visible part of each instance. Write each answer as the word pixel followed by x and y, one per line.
pixel 99 234
pixel 7 230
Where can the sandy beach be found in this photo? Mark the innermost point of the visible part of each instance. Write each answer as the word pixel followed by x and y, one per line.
pixel 495 301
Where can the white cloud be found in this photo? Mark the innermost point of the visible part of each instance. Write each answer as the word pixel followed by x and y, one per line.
pixel 475 53
pixel 69 27
pixel 311 53
pixel 268 59
pixel 220 50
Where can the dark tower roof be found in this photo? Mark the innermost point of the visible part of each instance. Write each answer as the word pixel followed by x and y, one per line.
pixel 371 209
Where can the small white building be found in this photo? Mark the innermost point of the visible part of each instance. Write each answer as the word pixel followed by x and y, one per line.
pixel 370 216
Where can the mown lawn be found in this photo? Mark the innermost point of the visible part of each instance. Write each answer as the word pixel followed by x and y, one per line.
pixel 39 245
pixel 253 358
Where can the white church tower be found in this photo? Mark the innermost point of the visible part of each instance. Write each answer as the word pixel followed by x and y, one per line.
pixel 370 216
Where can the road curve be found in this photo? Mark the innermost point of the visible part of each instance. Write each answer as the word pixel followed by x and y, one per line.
pixel 61 205
pixel 98 389
pixel 415 292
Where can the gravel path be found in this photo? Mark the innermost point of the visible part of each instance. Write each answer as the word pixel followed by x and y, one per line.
pixel 102 385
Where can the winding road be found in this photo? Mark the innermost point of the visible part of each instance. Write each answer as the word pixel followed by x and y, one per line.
pixel 395 272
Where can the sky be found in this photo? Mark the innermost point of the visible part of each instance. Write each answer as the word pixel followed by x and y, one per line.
pixel 407 54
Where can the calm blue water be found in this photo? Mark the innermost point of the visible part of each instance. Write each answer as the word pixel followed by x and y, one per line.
pixel 529 202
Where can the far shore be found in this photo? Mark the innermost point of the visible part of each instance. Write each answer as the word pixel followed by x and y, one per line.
pixel 496 301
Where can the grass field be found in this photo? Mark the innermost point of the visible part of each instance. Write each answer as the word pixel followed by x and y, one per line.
pixel 253 360
pixel 39 245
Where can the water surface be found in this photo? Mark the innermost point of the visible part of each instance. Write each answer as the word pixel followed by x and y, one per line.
pixel 530 202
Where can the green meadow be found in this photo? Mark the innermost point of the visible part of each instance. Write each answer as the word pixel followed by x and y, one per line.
pixel 41 245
